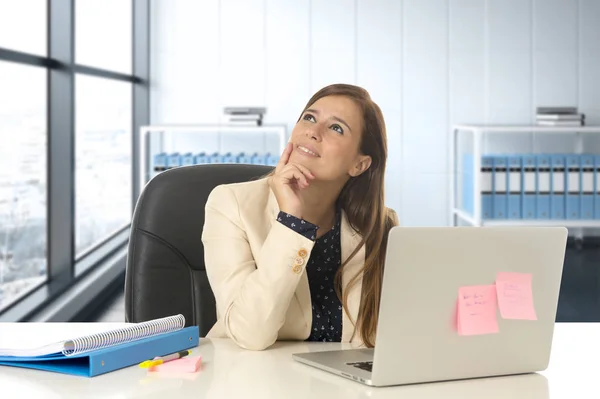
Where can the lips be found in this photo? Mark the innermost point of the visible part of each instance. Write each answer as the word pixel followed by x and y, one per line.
pixel 309 150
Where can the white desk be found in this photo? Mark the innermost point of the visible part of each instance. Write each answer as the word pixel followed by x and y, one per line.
pixel 230 372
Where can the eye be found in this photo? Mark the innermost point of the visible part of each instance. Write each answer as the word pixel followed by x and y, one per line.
pixel 337 128
pixel 309 117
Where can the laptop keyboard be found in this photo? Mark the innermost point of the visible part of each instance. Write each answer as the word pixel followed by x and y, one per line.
pixel 368 366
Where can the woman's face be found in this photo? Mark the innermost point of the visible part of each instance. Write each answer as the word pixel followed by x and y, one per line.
pixel 327 137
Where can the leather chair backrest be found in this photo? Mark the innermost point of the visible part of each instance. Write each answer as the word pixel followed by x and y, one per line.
pixel 165 273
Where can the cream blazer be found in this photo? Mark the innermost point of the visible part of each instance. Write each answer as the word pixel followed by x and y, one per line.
pixel 256 269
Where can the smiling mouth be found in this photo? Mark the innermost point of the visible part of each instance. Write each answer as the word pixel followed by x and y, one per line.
pixel 306 150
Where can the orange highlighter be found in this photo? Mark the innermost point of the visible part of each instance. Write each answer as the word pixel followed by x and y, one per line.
pixel 163 359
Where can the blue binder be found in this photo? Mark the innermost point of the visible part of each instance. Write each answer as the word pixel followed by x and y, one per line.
pixel 187 159
pixel 272 160
pixel 109 358
pixel 542 187
pixel 557 196
pixel 244 159
pixel 500 193
pixel 215 158
pixel 259 159
pixel 514 187
pixel 160 162
pixel 528 188
pixel 229 158
pixel 173 160
pixel 486 186
pixel 487 206
pixel 201 158
pixel 587 187
pixel 573 188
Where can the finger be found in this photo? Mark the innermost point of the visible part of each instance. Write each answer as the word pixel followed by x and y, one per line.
pixel 285 157
pixel 305 170
pixel 292 174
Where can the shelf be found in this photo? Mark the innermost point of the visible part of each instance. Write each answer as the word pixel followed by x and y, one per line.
pixel 526 129
pixel 530 223
pixel 166 138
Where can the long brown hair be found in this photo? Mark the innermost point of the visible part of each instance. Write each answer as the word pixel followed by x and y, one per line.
pixel 363 200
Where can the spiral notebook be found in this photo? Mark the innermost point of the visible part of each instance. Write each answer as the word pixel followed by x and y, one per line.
pixel 90 349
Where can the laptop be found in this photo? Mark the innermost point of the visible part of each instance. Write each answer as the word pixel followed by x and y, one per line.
pixel 417 333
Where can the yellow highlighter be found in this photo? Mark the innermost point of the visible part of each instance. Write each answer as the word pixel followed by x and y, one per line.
pixel 163 359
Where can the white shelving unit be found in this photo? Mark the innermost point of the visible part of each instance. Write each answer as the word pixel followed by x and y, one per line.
pixel 158 138
pixel 478 132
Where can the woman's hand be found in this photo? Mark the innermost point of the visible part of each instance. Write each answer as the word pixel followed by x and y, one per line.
pixel 288 181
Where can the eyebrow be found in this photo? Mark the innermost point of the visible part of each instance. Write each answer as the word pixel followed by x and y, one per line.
pixel 334 117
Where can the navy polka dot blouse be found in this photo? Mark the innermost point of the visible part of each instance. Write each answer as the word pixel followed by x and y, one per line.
pixel 325 259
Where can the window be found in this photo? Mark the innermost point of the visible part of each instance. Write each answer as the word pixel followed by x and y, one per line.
pixel 23 25
pixel 23 191
pixel 103 159
pixel 74 85
pixel 103 32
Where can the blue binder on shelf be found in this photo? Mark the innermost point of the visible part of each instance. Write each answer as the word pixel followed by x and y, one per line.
pixel 187 159
pixel 259 159
pixel 528 188
pixel 229 158
pixel 500 193
pixel 557 196
pixel 201 158
pixel 244 159
pixel 272 160
pixel 173 160
pixel 160 162
pixel 514 187
pixel 573 189
pixel 487 206
pixel 102 351
pixel 542 202
pixel 587 187
pixel 215 158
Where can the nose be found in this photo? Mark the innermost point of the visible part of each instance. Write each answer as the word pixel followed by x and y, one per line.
pixel 314 133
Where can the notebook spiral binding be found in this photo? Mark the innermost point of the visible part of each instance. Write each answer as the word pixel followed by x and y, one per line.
pixel 128 334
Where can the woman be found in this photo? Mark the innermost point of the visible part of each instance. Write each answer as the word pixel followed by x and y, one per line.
pixel 298 254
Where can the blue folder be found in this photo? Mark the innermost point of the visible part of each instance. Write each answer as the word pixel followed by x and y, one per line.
pixel 102 361
pixel 543 186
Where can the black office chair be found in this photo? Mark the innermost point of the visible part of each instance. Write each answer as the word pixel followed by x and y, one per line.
pixel 165 272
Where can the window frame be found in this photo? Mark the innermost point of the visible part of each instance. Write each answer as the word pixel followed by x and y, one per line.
pixel 64 270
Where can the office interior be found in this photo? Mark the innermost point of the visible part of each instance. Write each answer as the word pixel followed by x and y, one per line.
pixel 86 113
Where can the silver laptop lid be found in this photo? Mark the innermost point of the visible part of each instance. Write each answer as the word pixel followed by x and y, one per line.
pixel 417 337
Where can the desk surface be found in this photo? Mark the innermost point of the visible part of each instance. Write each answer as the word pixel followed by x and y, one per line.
pixel 230 372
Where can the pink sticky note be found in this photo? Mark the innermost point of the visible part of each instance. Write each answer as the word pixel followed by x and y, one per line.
pixel 515 296
pixel 477 310
pixel 188 364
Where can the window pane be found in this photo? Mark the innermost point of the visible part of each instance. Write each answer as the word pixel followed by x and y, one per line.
pixel 103 34
pixel 103 164
pixel 23 25
pixel 22 180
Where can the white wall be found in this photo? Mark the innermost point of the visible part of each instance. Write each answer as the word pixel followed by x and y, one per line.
pixel 428 63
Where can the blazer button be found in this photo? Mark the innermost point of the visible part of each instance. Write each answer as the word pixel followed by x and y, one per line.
pixel 297 269
pixel 299 261
pixel 303 253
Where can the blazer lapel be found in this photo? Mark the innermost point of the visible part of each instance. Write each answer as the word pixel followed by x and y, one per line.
pixel 350 240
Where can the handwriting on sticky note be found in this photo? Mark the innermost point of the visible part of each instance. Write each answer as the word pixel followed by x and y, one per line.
pixel 477 310
pixel 515 296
